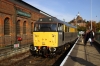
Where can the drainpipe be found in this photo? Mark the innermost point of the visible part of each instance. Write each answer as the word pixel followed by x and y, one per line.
pixel 15 24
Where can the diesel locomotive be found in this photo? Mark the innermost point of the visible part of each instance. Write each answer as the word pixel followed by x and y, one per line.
pixel 51 36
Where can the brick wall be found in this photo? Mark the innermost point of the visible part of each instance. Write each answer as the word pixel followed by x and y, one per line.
pixel 7 9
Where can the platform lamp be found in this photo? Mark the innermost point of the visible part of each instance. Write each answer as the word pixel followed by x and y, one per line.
pixel 91 14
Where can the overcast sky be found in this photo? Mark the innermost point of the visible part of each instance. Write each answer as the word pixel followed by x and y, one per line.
pixel 68 9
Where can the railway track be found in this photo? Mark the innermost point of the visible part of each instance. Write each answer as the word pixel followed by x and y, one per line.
pixel 12 60
pixel 26 59
pixel 37 61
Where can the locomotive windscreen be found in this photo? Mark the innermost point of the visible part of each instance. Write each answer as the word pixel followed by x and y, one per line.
pixel 45 27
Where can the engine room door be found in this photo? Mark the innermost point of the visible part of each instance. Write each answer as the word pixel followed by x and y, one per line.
pixel 62 36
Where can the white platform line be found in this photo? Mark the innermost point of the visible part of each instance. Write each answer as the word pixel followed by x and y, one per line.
pixel 63 62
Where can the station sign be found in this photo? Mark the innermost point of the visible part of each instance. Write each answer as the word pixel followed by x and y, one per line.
pixel 16 45
pixel 19 12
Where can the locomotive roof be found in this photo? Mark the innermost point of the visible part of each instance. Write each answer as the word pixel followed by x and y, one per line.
pixel 54 19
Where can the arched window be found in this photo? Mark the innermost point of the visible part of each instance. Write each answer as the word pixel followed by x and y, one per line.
pixel 6 26
pixel 24 27
pixel 18 27
pixel 32 28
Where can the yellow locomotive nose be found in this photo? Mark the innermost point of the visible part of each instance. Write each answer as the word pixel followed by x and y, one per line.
pixel 45 39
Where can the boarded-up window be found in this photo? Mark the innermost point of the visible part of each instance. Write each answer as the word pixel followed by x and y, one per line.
pixel 18 27
pixel 24 27
pixel 6 26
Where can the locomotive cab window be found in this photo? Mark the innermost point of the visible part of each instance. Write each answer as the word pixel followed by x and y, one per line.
pixel 45 27
pixel 60 27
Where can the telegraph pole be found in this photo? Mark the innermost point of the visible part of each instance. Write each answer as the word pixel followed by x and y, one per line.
pixel 91 14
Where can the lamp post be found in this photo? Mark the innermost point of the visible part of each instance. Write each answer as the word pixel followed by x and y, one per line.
pixel 91 14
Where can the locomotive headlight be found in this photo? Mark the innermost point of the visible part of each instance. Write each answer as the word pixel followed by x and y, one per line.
pixel 35 48
pixel 52 49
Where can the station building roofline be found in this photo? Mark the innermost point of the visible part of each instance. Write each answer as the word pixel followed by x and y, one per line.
pixel 28 6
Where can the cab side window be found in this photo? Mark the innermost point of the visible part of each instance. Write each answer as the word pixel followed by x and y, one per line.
pixel 60 27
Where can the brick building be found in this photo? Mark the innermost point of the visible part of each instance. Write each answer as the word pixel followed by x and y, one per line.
pixel 17 20
pixel 78 21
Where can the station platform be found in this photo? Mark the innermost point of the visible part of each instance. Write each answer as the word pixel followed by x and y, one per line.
pixel 83 55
